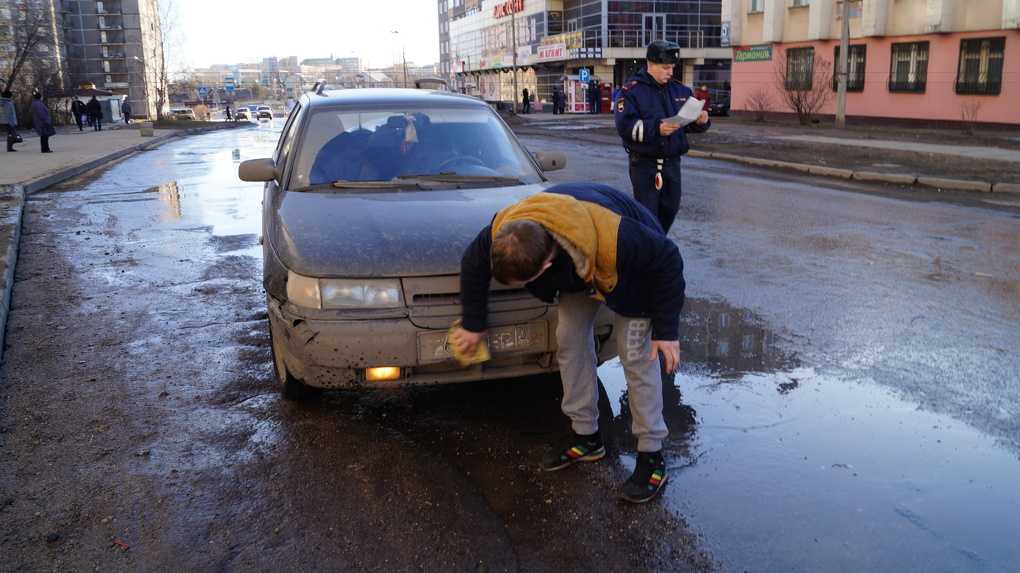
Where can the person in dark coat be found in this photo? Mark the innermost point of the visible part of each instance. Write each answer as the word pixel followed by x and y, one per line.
pixel 556 97
pixel 527 101
pixel 78 111
pixel 42 122
pixel 95 112
pixel 125 110
pixel 9 118
pixel 655 146
pixel 227 109
pixel 593 96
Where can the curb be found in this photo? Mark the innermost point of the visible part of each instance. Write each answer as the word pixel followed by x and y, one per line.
pixel 905 179
pixel 40 183
pixel 893 178
pixel 15 193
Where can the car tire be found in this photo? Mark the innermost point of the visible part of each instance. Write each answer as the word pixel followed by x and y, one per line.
pixel 291 387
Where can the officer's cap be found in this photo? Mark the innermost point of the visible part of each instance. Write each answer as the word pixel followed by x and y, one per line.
pixel 663 52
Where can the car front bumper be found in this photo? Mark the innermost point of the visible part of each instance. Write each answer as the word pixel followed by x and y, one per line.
pixel 334 353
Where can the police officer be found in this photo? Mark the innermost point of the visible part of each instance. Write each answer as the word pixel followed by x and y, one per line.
pixel 655 146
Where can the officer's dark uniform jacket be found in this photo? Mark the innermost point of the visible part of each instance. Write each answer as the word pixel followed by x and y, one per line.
pixel 640 110
pixel 637 270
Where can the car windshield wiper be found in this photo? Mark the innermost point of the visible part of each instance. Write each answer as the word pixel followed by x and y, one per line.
pixel 397 183
pixel 363 185
pixel 457 178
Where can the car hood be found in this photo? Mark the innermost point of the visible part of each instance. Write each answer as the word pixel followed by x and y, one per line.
pixel 384 234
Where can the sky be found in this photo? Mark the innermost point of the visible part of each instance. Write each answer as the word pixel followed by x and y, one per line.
pixel 226 32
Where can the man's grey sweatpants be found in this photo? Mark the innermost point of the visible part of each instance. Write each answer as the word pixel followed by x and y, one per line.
pixel 577 360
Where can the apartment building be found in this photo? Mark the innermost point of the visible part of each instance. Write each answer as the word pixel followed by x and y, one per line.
pixel 948 60
pixel 116 45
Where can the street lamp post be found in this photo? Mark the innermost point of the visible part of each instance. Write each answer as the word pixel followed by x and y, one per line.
pixel 513 44
pixel 403 55
pixel 145 86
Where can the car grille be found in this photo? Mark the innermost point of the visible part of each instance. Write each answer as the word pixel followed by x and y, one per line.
pixel 434 302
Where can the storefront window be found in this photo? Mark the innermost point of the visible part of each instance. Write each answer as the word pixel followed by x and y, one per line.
pixel 980 70
pixel 855 68
pixel 909 67
pixel 799 68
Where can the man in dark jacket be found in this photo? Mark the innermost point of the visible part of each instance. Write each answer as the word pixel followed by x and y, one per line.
pixel 95 112
pixel 655 146
pixel 526 108
pixel 78 111
pixel 125 110
pixel 586 245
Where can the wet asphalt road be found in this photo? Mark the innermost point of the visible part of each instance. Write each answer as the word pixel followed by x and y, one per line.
pixel 850 397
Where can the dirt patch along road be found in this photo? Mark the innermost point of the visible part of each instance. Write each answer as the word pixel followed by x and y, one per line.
pixel 140 425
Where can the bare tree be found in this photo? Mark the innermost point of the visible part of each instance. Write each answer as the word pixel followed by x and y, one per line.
pixel 159 58
pixel 804 82
pixel 29 23
pixel 760 102
pixel 969 113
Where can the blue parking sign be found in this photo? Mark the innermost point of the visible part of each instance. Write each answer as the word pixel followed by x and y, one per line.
pixel 585 74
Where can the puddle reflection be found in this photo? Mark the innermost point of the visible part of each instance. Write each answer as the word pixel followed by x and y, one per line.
pixel 783 468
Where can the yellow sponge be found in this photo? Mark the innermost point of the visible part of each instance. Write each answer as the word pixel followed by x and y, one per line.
pixel 481 353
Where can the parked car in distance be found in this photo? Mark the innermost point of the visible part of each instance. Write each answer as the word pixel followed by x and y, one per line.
pixel 264 112
pixel 369 201
pixel 183 113
pixel 242 113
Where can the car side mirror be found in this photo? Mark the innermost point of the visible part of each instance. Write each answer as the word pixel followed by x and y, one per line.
pixel 550 160
pixel 257 170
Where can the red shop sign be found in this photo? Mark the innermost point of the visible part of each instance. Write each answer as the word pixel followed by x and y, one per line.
pixel 507 8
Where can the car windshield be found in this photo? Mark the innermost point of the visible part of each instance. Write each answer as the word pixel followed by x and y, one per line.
pixel 387 144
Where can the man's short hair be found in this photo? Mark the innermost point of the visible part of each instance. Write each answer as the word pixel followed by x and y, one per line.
pixel 519 250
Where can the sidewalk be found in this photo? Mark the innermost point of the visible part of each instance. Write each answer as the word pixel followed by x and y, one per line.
pixel 982 161
pixel 28 170
pixel 70 149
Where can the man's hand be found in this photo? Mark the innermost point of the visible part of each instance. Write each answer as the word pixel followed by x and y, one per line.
pixel 670 350
pixel 667 129
pixel 703 118
pixel 466 341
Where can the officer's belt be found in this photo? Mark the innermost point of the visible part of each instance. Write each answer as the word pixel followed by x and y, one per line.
pixel 638 157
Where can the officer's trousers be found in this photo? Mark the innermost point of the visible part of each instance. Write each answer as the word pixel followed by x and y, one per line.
pixel 664 203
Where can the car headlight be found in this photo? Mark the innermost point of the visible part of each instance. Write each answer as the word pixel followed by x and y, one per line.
pixel 310 292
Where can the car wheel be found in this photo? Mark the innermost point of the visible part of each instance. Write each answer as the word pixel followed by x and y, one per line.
pixel 291 387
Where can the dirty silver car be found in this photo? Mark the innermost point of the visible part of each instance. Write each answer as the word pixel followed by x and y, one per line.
pixel 370 199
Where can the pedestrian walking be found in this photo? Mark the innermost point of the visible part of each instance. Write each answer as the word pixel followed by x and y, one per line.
pixel 655 146
pixel 9 119
pixel 527 101
pixel 125 110
pixel 78 111
pixel 42 122
pixel 557 95
pixel 585 245
pixel 95 111
pixel 227 110
pixel 593 96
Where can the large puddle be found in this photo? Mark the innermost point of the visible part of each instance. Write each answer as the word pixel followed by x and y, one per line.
pixel 783 468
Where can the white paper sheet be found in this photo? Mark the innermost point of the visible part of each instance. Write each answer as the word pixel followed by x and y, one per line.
pixel 688 113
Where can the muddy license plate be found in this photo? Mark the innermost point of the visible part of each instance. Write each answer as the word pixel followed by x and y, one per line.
pixel 533 337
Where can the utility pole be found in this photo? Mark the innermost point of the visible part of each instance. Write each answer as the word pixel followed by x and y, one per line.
pixel 403 56
pixel 513 32
pixel 844 60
